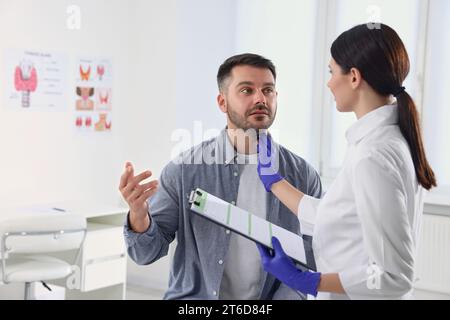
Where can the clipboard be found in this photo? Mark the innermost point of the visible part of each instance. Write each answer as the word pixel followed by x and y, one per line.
pixel 247 224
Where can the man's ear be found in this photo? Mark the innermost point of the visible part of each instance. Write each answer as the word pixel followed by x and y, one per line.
pixel 221 102
pixel 355 78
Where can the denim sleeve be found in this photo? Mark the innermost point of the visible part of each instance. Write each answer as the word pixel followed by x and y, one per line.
pixel 314 190
pixel 285 293
pixel 314 183
pixel 153 244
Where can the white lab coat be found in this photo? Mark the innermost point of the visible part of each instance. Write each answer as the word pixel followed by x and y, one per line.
pixel 366 226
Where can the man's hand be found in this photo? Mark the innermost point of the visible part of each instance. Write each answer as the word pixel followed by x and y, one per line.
pixel 136 194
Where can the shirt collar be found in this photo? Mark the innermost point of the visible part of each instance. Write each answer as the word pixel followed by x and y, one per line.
pixel 380 117
pixel 229 153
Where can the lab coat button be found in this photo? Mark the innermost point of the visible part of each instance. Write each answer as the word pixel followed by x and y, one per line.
pixel 220 261
pixel 227 231
pixel 235 174
pixel 215 292
pixel 233 202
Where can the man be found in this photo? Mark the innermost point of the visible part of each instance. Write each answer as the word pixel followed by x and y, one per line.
pixel 210 262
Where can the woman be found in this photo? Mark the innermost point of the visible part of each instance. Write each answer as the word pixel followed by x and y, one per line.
pixel 365 229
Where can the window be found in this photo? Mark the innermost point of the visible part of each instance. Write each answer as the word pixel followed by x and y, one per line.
pixel 436 109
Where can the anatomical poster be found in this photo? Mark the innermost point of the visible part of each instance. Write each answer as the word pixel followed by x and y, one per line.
pixel 35 80
pixel 93 95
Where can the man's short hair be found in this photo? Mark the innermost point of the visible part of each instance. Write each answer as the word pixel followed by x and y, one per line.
pixel 245 59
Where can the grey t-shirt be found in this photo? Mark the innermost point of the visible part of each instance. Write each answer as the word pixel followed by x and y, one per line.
pixel 243 273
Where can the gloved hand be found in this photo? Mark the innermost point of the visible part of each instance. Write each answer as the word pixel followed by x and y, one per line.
pixel 283 268
pixel 267 162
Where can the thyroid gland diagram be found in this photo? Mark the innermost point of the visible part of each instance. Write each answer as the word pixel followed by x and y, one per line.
pixel 86 123
pixel 25 80
pixel 103 98
pixel 100 71
pixel 85 103
pixel 85 74
pixel 102 124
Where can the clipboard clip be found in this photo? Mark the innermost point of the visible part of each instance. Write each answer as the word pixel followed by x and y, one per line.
pixel 193 197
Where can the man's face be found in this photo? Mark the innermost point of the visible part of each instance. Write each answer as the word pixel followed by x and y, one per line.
pixel 249 98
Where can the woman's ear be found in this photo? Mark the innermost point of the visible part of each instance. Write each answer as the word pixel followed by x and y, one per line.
pixel 221 102
pixel 355 78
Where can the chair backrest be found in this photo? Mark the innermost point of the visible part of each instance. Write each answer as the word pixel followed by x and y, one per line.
pixel 43 233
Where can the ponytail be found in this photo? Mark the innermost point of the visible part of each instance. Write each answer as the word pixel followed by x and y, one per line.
pixel 381 57
pixel 410 127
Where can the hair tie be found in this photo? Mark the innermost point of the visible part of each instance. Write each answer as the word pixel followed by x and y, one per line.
pixel 399 91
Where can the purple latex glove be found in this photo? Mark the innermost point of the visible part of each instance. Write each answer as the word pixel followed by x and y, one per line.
pixel 284 269
pixel 267 162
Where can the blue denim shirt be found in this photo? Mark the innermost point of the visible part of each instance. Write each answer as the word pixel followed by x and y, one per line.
pixel 196 272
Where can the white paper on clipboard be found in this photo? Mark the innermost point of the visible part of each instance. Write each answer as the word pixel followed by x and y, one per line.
pixel 247 224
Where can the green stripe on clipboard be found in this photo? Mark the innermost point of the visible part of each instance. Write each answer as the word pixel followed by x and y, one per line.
pixel 270 233
pixel 228 214
pixel 249 223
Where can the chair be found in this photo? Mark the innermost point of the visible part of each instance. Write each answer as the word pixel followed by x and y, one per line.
pixel 28 241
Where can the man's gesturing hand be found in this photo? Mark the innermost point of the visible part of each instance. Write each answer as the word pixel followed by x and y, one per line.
pixel 136 194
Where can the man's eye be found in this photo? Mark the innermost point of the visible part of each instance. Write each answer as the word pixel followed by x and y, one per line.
pixel 268 90
pixel 246 90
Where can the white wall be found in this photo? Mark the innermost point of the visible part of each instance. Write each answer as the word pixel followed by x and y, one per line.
pixel 284 31
pixel 150 115
pixel 205 38
pixel 43 159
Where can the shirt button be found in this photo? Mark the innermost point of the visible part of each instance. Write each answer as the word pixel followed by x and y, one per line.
pixel 215 292
pixel 227 231
pixel 235 174
pixel 220 261
pixel 233 202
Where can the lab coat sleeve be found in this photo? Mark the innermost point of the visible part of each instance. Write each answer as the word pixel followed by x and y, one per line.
pixel 387 234
pixel 153 244
pixel 306 213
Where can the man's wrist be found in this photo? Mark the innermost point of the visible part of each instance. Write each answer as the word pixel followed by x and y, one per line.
pixel 138 224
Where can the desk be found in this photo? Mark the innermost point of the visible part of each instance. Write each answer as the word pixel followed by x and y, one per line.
pixel 102 263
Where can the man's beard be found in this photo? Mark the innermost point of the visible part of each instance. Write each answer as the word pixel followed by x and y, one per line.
pixel 241 122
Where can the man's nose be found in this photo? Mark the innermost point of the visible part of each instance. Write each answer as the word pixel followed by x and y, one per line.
pixel 260 98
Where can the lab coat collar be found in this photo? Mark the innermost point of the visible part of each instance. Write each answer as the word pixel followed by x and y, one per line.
pixel 380 117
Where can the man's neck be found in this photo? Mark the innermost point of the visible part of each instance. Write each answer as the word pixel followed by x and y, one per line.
pixel 243 141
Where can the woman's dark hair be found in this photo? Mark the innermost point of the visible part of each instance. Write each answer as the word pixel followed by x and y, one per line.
pixel 380 56
pixel 245 59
